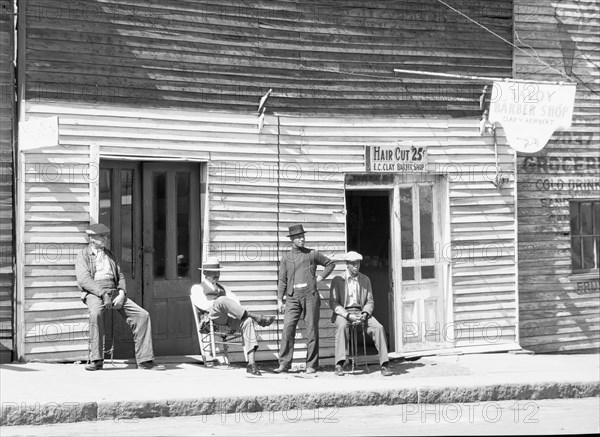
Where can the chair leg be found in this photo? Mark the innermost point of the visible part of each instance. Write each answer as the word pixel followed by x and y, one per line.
pixel 213 348
pixel 364 328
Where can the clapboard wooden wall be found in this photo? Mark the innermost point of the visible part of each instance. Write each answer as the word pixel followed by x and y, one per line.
pixel 318 56
pixel 293 171
pixel 559 311
pixel 7 113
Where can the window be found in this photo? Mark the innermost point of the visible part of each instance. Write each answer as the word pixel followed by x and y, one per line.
pixel 585 235
pixel 417 232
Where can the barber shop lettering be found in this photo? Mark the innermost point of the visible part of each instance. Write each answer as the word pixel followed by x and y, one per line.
pixel 403 159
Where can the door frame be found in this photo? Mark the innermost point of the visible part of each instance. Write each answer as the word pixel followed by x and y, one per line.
pixel 392 183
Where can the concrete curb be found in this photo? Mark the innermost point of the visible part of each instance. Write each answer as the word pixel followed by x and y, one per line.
pixel 38 414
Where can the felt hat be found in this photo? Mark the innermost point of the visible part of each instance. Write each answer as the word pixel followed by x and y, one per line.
pixel 211 264
pixel 97 228
pixel 296 230
pixel 352 256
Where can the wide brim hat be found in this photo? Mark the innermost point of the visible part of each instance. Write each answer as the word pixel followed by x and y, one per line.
pixel 352 256
pixel 211 264
pixel 97 229
pixel 296 230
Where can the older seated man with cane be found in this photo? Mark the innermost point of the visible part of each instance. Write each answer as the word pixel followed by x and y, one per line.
pixel 351 299
pixel 102 283
pixel 224 309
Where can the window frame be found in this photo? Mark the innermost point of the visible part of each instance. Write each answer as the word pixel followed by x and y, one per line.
pixel 595 233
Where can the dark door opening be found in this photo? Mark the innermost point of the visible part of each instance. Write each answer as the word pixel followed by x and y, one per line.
pixel 368 233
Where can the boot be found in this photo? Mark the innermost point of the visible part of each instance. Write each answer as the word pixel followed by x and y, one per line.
pixel 262 320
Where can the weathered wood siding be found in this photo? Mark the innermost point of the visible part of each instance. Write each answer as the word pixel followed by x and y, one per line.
pixel 559 311
pixel 317 56
pixel 7 113
pixel 259 184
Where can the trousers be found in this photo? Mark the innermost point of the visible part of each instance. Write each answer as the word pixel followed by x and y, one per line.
pixel 136 317
pixel 309 303
pixel 374 329
pixel 228 312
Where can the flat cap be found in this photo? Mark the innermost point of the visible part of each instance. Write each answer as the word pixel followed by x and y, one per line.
pixel 98 228
pixel 353 256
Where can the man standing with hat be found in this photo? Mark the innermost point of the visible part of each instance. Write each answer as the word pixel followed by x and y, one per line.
pixel 351 299
pixel 224 309
pixel 298 283
pixel 98 277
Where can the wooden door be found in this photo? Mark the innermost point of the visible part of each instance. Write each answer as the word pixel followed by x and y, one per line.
pixel 120 197
pixel 171 252
pixel 418 263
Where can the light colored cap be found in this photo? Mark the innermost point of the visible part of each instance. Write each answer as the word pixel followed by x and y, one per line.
pixel 353 256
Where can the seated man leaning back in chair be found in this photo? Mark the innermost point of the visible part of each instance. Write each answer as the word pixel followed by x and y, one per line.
pixel 224 308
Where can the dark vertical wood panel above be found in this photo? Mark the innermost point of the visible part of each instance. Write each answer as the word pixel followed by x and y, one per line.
pixel 7 106
pixel 318 56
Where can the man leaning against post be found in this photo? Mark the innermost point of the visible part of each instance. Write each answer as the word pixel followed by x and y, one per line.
pixel 351 299
pixel 297 282
pixel 99 277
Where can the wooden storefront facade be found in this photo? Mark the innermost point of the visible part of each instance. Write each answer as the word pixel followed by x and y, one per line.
pixel 154 108
pixel 559 187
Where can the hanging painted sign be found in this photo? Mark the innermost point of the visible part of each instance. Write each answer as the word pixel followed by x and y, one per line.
pixel 38 133
pixel 396 159
pixel 530 112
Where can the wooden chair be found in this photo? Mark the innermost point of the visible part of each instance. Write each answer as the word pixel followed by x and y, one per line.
pixel 214 340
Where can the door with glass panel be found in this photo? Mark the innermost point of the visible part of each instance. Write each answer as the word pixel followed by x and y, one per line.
pixel 419 267
pixel 120 209
pixel 171 252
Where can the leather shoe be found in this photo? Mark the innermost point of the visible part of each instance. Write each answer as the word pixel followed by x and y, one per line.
pixel 252 369
pixel 310 370
pixel 339 370
pixel 281 369
pixel 265 321
pixel 150 365
pixel 385 371
pixel 95 365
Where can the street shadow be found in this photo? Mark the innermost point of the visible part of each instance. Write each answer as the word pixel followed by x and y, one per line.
pixel 17 368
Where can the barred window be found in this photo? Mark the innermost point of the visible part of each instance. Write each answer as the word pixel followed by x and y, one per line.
pixel 585 235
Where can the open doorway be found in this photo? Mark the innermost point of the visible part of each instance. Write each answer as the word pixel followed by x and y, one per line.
pixel 368 233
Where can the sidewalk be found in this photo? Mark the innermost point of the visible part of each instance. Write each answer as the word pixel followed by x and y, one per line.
pixel 39 393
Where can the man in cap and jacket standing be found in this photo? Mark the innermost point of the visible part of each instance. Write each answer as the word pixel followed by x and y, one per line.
pixel 98 276
pixel 351 299
pixel 297 282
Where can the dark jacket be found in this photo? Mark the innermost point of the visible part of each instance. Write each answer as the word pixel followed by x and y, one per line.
pixel 338 296
pixel 301 258
pixel 85 269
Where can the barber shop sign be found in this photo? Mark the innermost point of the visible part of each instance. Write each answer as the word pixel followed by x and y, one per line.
pixel 400 158
pixel 530 112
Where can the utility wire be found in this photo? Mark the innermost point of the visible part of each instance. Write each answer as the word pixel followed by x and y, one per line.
pixel 505 40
